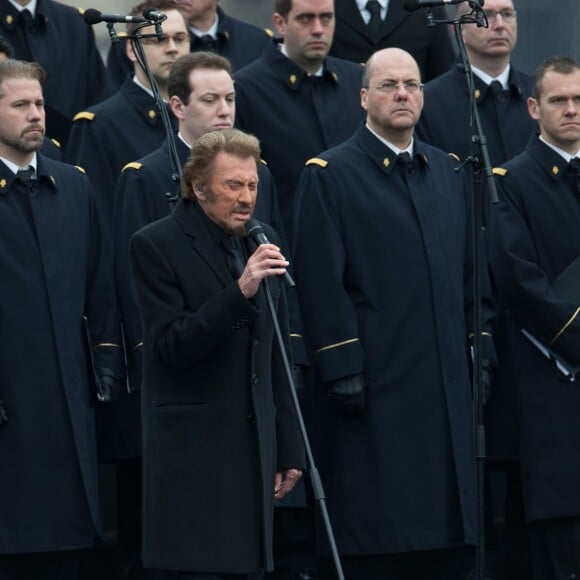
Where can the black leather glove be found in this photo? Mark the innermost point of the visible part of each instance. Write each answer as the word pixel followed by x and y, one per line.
pixel 348 394
pixel 486 380
pixel 109 388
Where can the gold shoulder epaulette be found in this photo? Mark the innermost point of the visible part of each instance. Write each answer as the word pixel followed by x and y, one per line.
pixel 84 115
pixel 263 162
pixel 456 157
pixel 56 143
pixel 133 165
pixel 269 32
pixel 317 161
pixel 80 10
pixel 502 172
pixel 79 168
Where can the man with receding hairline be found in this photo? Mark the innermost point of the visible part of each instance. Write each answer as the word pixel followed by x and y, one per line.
pixel 385 300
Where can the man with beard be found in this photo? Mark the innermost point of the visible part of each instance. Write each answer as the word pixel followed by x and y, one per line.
pixel 56 284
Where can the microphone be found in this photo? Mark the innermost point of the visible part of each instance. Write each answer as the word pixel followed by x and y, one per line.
pixel 154 15
pixel 255 231
pixel 94 16
pixel 412 5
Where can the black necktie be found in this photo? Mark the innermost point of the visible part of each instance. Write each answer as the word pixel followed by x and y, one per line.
pixel 24 26
pixel 208 43
pixel 25 176
pixel 496 89
pixel 375 23
pixel 405 163
pixel 234 256
pixel 575 165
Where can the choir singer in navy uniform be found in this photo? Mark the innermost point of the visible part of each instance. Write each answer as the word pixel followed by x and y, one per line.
pixel 55 272
pixel 383 267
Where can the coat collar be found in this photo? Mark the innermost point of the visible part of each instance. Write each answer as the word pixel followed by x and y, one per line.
pixel 43 171
pixel 290 73
pixel 384 157
pixel 553 164
pixel 191 222
pixel 482 91
pixel 348 12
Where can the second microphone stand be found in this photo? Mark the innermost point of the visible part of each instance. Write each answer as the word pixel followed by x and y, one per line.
pixel 477 162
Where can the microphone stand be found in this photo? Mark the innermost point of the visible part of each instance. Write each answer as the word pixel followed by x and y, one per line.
pixel 476 163
pixel 317 487
pixel 136 40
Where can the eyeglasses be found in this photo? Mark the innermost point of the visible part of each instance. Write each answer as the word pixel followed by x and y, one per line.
pixel 178 39
pixel 391 87
pixel 507 14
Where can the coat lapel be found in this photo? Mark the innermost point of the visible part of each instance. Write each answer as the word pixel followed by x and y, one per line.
pixel 200 241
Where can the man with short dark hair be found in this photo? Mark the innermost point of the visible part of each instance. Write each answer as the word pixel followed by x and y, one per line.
pixel 535 238
pixel 220 435
pixel 211 30
pixel 128 124
pixel 56 293
pixel 295 98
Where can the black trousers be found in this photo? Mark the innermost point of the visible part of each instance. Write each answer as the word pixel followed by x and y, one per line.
pixel 211 576
pixel 42 566
pixel 555 548
pixel 423 565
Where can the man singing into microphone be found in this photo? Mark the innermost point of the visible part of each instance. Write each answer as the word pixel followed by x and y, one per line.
pixel 220 436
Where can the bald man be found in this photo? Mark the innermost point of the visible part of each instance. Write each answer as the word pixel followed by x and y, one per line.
pixel 384 307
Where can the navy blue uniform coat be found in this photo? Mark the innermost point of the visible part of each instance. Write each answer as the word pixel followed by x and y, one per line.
pixel 217 415
pixel 381 262
pixel 296 116
pixel 536 236
pixel 507 127
pixel 430 47
pixel 55 270
pixel 103 139
pixel 505 120
pixel 64 45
